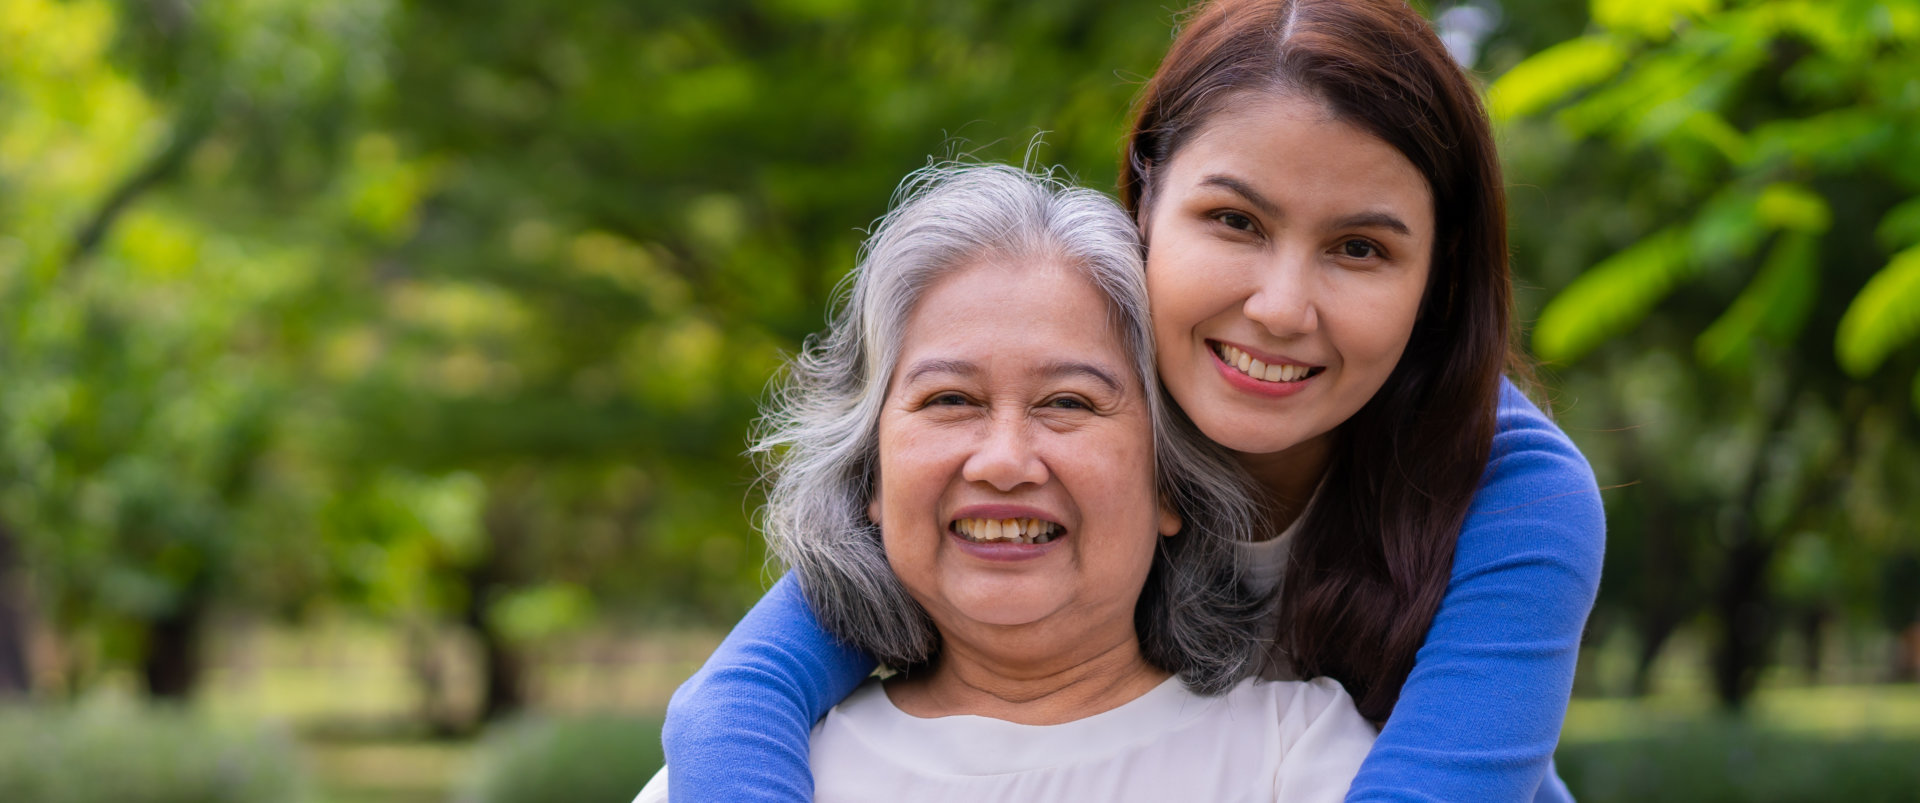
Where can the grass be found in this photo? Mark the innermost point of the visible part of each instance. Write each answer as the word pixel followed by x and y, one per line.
pixel 344 691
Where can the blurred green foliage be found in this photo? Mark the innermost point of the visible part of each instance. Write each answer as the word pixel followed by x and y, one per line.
pixel 456 315
pixel 1724 761
pixel 594 760
pixel 106 755
pixel 1718 201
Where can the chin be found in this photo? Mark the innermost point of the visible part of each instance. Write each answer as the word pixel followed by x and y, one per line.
pixel 1228 432
pixel 1005 609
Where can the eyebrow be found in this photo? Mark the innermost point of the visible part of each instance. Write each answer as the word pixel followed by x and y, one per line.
pixel 1244 190
pixel 1052 370
pixel 1381 220
pixel 1378 220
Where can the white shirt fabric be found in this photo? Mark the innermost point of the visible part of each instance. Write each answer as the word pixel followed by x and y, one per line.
pixel 1261 741
pixel 1264 569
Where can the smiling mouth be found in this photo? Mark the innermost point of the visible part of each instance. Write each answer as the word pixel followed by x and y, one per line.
pixel 1246 364
pixel 1007 531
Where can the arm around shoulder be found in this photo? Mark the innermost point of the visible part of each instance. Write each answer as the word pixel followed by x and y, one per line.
pixel 1481 712
pixel 738 729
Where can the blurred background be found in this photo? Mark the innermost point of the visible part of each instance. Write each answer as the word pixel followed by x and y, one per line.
pixel 374 374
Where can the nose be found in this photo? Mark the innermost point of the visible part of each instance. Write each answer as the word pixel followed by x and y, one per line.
pixel 1283 299
pixel 1005 458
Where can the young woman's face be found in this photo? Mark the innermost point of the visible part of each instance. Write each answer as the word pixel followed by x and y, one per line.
pixel 1288 253
pixel 1014 412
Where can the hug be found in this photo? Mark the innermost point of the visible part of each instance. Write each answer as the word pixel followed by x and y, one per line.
pixel 1316 188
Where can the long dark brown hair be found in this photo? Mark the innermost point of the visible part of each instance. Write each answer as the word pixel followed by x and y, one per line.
pixel 1371 562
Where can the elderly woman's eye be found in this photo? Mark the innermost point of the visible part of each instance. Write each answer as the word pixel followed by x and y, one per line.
pixel 946 400
pixel 1069 403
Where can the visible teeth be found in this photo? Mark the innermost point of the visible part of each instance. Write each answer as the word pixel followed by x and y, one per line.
pixel 1260 370
pixel 1020 531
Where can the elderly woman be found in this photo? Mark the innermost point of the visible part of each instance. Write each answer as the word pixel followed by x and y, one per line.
pixel 973 482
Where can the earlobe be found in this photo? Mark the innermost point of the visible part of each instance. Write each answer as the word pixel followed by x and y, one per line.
pixel 1170 522
pixel 873 505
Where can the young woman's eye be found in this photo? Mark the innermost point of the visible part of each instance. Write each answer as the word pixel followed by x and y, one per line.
pixel 1234 220
pixel 1359 249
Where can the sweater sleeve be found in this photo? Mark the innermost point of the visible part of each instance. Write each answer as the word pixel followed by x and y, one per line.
pixel 738 729
pixel 1481 712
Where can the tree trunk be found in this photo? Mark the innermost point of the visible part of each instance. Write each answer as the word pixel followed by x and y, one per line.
pixel 1665 569
pixel 503 689
pixel 16 679
pixel 1746 619
pixel 1813 631
pixel 1745 602
pixel 172 664
pixel 1654 632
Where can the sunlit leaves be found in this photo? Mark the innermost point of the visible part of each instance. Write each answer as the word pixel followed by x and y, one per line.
pixel 1771 108
pixel 1793 206
pixel 1883 317
pixel 1553 75
pixel 1612 297
pixel 1900 226
pixel 1773 307
pixel 382 189
pixel 1653 19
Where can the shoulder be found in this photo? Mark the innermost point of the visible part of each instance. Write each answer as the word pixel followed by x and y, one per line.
pixel 1303 701
pixel 1538 494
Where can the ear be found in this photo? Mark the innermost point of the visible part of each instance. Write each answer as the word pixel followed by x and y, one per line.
pixel 1170 522
pixel 873 505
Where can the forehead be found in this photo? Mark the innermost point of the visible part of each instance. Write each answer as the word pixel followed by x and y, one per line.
pixel 1294 146
pixel 1009 311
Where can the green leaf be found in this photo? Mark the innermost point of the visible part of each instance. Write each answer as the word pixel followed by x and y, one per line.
pixel 1883 317
pixel 1774 305
pixel 1662 90
pixel 1553 75
pixel 1838 140
pixel 1793 206
pixel 1729 227
pixel 1612 296
pixel 1652 19
pixel 1714 130
pixel 1900 227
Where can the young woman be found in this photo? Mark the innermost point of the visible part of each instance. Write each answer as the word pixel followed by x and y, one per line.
pixel 1323 209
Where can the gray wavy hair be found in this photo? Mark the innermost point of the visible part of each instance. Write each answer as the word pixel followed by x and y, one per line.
pixel 818 438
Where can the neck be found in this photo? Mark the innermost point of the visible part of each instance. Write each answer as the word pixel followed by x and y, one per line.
pixel 1289 477
pixel 1047 691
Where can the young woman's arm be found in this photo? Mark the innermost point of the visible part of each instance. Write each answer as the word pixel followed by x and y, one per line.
pixel 1481 713
pixel 738 729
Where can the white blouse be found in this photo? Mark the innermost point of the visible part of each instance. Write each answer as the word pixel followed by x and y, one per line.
pixel 1261 741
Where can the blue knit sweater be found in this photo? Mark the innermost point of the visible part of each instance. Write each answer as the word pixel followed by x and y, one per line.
pixel 1478 719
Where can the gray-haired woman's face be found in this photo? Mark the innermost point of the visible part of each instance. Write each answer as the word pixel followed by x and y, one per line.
pixel 1016 479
